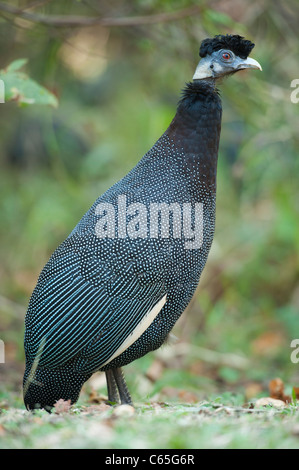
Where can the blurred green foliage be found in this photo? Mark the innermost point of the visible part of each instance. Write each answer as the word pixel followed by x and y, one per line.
pixel 117 89
pixel 22 89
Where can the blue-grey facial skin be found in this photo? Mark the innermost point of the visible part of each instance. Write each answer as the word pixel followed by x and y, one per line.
pixel 221 63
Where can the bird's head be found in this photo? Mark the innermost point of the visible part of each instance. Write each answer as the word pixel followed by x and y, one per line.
pixel 224 55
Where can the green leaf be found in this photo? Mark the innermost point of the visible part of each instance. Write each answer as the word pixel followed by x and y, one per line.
pixel 16 65
pixel 294 397
pixel 22 89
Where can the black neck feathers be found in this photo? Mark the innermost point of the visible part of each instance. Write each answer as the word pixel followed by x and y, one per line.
pixel 199 109
pixel 199 88
pixel 195 130
pixel 198 96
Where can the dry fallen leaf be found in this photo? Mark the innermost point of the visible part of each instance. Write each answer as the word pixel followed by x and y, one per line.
pixel 276 389
pixel 270 401
pixel 123 411
pixel 62 406
pixel 97 408
pixel 94 397
pixel 277 397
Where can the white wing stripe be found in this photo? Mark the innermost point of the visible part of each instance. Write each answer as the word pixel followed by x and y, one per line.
pixel 137 332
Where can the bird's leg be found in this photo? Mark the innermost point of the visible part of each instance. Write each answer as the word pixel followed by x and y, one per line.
pixel 113 395
pixel 124 393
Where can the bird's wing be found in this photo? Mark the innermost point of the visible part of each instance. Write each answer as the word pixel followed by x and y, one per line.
pixel 86 308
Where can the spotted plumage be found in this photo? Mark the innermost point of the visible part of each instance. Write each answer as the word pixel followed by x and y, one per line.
pixel 113 290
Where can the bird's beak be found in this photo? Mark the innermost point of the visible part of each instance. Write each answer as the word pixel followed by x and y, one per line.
pixel 249 64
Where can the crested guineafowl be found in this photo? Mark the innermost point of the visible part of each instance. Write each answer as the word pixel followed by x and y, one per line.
pixel 113 290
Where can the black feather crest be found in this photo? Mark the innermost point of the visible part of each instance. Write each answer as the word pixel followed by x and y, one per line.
pixel 235 43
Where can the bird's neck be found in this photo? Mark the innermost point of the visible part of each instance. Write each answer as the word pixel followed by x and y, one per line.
pixel 195 130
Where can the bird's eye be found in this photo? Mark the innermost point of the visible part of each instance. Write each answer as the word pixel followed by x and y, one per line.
pixel 226 55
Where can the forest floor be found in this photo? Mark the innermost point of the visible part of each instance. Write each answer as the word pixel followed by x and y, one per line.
pixel 173 409
pixel 219 424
